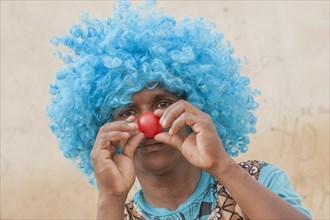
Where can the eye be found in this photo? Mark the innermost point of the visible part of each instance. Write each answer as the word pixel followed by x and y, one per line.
pixel 127 113
pixel 163 104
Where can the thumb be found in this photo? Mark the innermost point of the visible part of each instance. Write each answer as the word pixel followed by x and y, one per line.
pixel 172 140
pixel 132 144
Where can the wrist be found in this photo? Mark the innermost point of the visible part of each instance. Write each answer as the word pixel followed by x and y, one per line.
pixel 109 198
pixel 111 206
pixel 223 168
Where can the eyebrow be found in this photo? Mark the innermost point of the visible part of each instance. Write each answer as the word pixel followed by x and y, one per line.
pixel 155 97
pixel 161 96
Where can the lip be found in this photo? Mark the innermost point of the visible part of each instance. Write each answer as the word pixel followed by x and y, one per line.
pixel 151 147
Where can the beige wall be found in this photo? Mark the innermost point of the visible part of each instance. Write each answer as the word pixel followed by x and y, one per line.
pixel 287 44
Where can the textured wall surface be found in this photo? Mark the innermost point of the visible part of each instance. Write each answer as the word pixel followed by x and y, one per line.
pixel 287 46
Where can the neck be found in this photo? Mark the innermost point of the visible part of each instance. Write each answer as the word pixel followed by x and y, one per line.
pixel 171 188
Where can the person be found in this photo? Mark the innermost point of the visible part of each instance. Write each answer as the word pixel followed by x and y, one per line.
pixel 141 60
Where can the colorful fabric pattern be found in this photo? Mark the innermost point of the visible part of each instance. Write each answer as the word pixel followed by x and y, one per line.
pixel 215 202
pixel 226 207
pixel 133 212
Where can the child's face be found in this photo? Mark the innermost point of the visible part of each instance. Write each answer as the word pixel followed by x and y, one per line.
pixel 152 157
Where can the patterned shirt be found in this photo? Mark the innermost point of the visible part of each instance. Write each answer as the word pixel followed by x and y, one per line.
pixel 211 200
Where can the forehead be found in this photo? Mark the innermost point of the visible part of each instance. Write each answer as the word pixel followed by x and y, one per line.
pixel 146 93
pixel 149 96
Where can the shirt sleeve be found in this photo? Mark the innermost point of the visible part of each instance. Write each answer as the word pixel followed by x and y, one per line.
pixel 278 182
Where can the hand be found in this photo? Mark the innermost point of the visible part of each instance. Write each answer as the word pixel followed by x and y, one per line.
pixel 115 173
pixel 203 147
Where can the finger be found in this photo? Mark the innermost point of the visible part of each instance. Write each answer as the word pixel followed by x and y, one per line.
pixel 175 110
pixel 99 155
pixel 104 139
pixel 112 150
pixel 106 135
pixel 130 118
pixel 184 119
pixel 159 112
pixel 170 114
pixel 132 144
pixel 123 142
pixel 172 140
pixel 119 126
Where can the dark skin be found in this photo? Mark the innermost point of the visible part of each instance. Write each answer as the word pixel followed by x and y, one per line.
pixel 174 154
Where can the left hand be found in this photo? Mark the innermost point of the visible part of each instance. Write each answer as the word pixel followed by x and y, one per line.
pixel 203 147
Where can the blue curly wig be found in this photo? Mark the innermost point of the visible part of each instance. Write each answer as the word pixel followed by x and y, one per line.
pixel 109 60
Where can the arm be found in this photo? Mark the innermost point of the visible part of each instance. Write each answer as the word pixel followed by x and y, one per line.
pixel 203 148
pixel 110 207
pixel 115 173
pixel 244 189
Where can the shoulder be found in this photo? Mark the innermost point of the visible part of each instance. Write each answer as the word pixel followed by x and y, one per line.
pixel 278 181
pixel 272 176
pixel 267 174
pixel 253 167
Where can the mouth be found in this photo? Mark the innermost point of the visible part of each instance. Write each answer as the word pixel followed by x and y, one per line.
pixel 151 146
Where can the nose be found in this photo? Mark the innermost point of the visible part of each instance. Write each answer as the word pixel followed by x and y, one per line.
pixel 149 124
pixel 144 110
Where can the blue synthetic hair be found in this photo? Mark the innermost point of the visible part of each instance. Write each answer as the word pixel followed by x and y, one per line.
pixel 110 59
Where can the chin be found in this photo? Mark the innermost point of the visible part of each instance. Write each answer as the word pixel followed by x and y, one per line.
pixel 158 160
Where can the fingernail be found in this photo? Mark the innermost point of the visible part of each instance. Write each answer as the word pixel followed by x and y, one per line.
pixel 163 123
pixel 130 118
pixel 134 125
pixel 156 111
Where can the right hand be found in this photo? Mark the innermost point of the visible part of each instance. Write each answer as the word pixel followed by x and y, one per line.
pixel 115 173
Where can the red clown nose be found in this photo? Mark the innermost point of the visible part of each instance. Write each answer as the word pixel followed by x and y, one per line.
pixel 149 124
